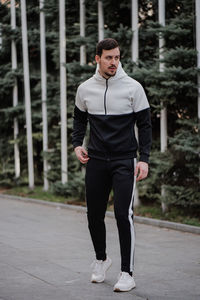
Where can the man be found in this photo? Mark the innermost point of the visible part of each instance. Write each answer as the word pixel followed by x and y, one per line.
pixel 112 102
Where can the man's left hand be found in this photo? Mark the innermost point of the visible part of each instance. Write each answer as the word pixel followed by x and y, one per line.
pixel 141 170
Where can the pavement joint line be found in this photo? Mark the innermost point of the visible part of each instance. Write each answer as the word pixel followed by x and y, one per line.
pixel 30 274
pixel 137 219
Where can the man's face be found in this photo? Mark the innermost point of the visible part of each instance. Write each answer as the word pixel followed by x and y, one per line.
pixel 108 62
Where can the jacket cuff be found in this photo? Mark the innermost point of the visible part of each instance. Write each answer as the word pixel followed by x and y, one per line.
pixel 76 145
pixel 144 158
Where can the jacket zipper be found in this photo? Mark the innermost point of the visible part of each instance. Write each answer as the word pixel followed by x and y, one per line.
pixel 105 96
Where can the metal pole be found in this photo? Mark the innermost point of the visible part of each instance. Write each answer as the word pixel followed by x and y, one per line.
pixel 27 94
pixel 100 21
pixel 63 96
pixel 163 112
pixel 135 54
pixel 197 6
pixel 44 92
pixel 134 26
pixel 82 48
pixel 82 32
pixel 15 92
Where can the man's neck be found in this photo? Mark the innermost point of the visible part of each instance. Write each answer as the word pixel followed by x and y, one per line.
pixel 104 75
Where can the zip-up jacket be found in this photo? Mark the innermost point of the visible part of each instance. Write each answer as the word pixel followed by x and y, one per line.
pixel 113 106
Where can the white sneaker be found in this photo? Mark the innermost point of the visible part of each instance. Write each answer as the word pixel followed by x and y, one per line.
pixel 125 283
pixel 99 269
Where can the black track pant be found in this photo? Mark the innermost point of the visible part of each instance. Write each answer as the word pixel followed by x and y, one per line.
pixel 101 176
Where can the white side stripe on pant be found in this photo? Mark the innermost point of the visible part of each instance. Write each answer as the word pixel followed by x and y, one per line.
pixel 130 216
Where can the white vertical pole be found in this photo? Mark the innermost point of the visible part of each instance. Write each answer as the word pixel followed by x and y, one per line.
pixel 100 21
pixel 163 112
pixel 135 55
pixel 44 92
pixel 63 96
pixel 82 32
pixel 27 94
pixel 163 117
pixel 15 92
pixel 197 6
pixel 134 26
pixel 82 48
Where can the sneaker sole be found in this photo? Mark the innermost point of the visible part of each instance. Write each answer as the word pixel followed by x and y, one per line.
pixel 117 290
pixel 95 281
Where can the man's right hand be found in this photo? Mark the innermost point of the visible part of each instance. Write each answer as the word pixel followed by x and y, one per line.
pixel 81 154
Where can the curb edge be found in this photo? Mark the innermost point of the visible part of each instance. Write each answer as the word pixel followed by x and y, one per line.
pixel 137 219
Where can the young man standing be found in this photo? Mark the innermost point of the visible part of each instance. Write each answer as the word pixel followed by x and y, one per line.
pixel 112 102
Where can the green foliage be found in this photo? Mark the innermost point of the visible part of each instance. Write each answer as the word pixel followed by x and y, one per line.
pixel 75 187
pixel 7 174
pixel 185 173
pixel 182 196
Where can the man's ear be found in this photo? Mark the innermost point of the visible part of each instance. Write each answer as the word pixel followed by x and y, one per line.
pixel 97 58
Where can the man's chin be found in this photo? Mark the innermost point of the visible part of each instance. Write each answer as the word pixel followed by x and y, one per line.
pixel 110 73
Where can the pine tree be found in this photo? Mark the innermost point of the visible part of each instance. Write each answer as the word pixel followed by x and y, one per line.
pixel 177 85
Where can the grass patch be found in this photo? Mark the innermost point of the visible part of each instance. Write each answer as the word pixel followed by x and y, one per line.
pixel 151 211
pixel 173 215
pixel 39 193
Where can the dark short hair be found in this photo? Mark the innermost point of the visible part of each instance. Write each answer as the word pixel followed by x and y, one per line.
pixel 106 44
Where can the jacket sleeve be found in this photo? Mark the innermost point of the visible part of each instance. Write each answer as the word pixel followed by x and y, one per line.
pixel 143 122
pixel 80 121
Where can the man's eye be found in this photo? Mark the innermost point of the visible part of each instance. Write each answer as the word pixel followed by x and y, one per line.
pixel 110 57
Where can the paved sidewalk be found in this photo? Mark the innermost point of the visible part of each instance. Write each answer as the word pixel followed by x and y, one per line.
pixel 45 253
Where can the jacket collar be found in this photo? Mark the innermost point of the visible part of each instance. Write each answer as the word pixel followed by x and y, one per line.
pixel 119 74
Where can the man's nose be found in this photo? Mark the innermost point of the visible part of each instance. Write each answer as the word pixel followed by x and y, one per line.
pixel 113 61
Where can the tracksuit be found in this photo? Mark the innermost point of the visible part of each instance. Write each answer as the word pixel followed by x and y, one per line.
pixel 112 106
